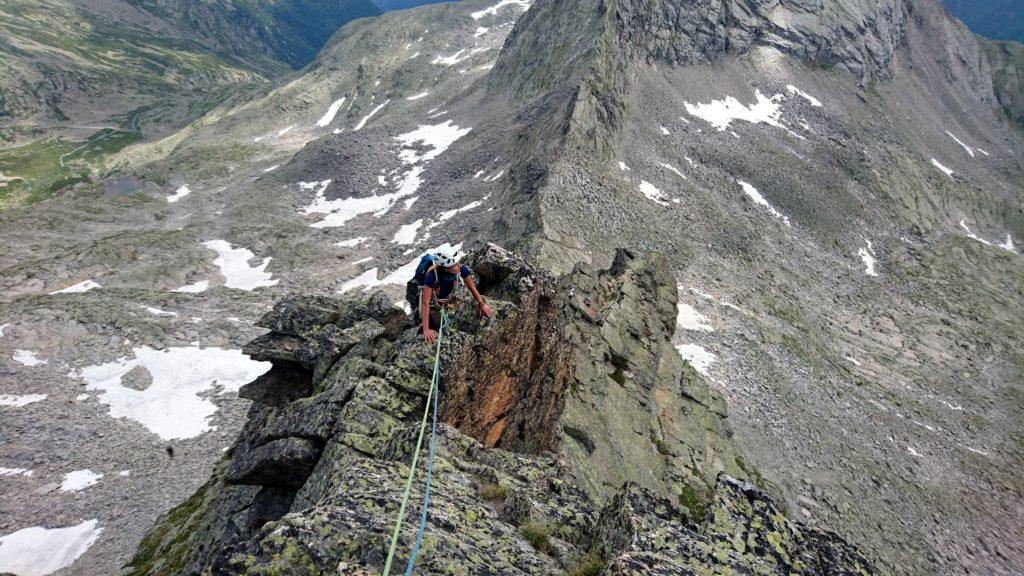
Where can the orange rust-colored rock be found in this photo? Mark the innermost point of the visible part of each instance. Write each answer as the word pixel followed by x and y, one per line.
pixel 507 389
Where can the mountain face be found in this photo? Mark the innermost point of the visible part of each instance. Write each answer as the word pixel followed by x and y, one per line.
pixel 767 285
pixel 81 79
pixel 995 19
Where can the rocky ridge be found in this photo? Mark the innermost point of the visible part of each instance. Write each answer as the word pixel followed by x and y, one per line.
pixel 312 484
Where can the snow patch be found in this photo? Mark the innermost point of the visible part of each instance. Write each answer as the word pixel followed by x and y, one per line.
pixel 964 146
pixel 284 131
pixel 867 255
pixel 2 326
pixel 689 319
pixel 79 480
pixel 652 193
pixel 370 115
pixel 179 194
pixel 721 113
pixel 852 360
pixel 22 400
pixel 332 111
pixel 756 196
pixel 664 131
pixel 194 288
pixel 794 90
pixel 418 96
pixel 176 404
pixel 1008 245
pixel 938 165
pixel 28 358
pixel 158 312
pixel 914 453
pixel 624 168
pixel 352 242
pixel 234 265
pixel 672 168
pixel 16 472
pixel 494 9
pixel 435 138
pixel 450 60
pixel 407 233
pixel 697 357
pixel 39 551
pixel 83 286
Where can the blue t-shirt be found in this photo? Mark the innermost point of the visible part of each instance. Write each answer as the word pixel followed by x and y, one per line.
pixel 446 280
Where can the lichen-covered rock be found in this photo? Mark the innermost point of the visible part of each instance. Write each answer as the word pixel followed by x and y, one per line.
pixel 568 392
pixel 742 532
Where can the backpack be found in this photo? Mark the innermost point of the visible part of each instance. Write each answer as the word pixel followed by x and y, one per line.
pixel 423 268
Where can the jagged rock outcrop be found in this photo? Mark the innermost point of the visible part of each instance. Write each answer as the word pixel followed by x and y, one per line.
pixel 313 483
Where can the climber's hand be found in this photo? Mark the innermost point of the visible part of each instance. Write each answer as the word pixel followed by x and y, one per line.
pixel 430 336
pixel 485 310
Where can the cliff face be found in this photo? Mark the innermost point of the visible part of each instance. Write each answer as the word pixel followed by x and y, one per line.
pixel 587 472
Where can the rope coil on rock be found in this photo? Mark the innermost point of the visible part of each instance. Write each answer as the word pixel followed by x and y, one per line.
pixel 431 396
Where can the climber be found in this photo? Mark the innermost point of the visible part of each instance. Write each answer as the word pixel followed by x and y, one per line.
pixel 437 277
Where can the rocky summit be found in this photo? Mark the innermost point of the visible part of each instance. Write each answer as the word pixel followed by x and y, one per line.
pixel 311 485
pixel 754 267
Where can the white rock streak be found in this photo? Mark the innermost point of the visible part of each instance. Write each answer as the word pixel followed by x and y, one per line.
pixel 754 195
pixel 83 286
pixel 370 115
pixel 39 551
pixel 79 480
pixel 332 111
pixel 179 194
pixel 867 255
pixel 176 404
pixel 234 265
pixel 28 358
pixel 938 165
pixel 22 400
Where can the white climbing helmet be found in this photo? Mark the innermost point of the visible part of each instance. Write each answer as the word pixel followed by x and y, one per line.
pixel 446 256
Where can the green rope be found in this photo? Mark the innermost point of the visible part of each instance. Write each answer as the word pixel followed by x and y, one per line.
pixel 416 454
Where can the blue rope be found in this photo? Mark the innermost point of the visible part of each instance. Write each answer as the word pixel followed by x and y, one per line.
pixel 430 466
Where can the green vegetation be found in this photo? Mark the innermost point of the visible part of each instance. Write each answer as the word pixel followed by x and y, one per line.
pixel 164 549
pixel 660 445
pixel 36 171
pixel 697 504
pixel 491 492
pixel 587 565
pixel 538 535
